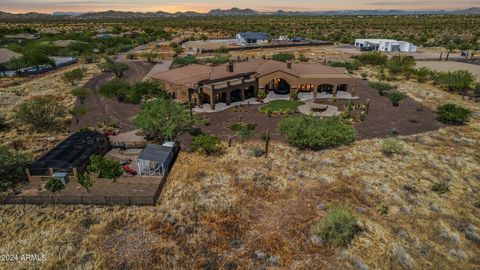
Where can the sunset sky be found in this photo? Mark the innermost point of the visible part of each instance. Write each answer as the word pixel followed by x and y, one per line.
pixel 47 6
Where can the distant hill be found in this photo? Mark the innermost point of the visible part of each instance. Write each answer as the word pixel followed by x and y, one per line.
pixel 113 15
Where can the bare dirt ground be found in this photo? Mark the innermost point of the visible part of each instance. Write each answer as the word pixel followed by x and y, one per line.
pixel 101 108
pixel 383 119
pixel 450 66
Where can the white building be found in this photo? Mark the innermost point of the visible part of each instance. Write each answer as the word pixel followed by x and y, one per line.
pixel 385 45
pixel 246 38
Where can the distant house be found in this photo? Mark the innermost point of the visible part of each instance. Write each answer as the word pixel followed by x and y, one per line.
pixel 246 38
pixel 63 43
pixel 7 55
pixel 385 45
pixel 22 37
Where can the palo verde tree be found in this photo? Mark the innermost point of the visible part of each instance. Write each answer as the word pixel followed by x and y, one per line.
pixel 41 113
pixel 163 119
pixel 74 76
pixel 117 68
pixel 81 93
pixel 77 112
pixel 12 167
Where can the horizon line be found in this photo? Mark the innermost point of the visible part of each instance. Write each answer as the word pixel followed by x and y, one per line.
pixel 273 10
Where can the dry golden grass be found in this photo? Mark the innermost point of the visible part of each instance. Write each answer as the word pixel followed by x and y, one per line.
pixel 238 210
pixel 49 85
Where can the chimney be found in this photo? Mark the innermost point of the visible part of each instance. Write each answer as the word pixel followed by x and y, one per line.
pixel 289 64
pixel 230 67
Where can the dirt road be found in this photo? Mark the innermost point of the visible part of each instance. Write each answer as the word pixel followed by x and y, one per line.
pixel 101 109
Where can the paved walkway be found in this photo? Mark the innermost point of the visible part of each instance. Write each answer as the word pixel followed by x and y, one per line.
pixel 302 96
pixel 307 109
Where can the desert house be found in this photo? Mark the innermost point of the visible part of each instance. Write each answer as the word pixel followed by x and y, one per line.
pixel 22 37
pixel 239 81
pixel 249 38
pixel 7 55
pixel 385 45
pixel 71 156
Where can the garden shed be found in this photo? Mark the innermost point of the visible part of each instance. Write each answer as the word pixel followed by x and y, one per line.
pixel 155 159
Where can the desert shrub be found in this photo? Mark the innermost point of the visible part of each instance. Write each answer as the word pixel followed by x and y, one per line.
pixel 207 144
pixel 382 87
pixel 453 114
pixel 218 59
pixel 316 133
pixel 3 123
pixel 283 57
pixel 395 97
pixel 400 64
pixel 12 167
pixel 41 113
pixel 392 146
pixel 105 168
pixel 257 152
pixel 222 49
pixel 441 187
pixel 54 185
pixel 458 80
pixel 349 65
pixel 338 227
pixel 74 76
pixel 85 181
pixel 382 208
pixel 238 126
pixel 183 61
pixel 372 58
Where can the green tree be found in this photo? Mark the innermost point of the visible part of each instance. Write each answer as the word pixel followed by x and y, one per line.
pixel 164 119
pixel 15 64
pixel 115 88
pixel 12 167
pixel 105 168
pixel 77 112
pixel 149 89
pixel 81 93
pixel 74 76
pixel 41 113
pixel 36 58
pixel 117 68
pixel 450 48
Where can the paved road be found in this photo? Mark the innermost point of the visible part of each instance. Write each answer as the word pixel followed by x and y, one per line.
pixel 101 109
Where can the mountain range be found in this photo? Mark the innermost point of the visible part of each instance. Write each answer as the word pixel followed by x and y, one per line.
pixel 111 14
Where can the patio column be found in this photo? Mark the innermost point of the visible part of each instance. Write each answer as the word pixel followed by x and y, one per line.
pixel 315 90
pixel 212 102
pixel 242 94
pixel 354 89
pixel 198 100
pixel 334 90
pixel 228 101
